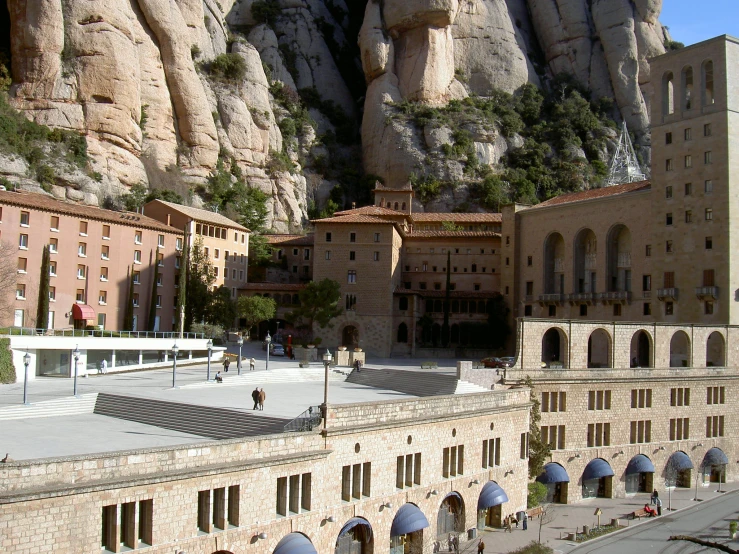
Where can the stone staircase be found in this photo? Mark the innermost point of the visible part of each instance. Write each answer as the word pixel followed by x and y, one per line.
pixel 465 387
pixel 204 421
pixel 282 375
pixel 415 383
pixel 67 406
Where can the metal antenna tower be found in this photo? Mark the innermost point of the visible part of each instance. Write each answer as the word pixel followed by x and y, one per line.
pixel 624 165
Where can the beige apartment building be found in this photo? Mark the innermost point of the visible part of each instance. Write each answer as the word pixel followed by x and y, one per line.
pixel 224 241
pixel 92 252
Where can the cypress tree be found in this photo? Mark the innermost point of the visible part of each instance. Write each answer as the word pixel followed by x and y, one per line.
pixel 42 309
pixel 153 299
pixel 182 288
pixel 445 326
pixel 128 314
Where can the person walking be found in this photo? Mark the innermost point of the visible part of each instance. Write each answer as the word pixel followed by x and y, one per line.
pixel 658 502
pixel 262 397
pixel 525 519
pixel 255 398
pixel 226 363
pixel 252 363
pixel 480 547
pixel 104 366
pixel 655 496
pixel 450 543
pixel 456 544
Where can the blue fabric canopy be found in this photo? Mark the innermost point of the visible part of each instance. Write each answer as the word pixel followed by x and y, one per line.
pixel 679 461
pixel 491 495
pixel 715 457
pixel 295 543
pixel 553 473
pixel 640 464
pixel 352 523
pixel 596 469
pixel 408 519
pixel 454 495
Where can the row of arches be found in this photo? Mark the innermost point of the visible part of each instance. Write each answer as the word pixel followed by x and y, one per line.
pixel 600 349
pixel 686 100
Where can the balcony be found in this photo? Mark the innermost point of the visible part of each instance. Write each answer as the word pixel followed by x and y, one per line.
pixel 557 299
pixel 580 297
pixel 706 293
pixel 668 293
pixel 615 297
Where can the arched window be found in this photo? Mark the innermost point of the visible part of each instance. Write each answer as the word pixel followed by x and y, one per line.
pixel 396 205
pixel 586 250
pixel 402 333
pixel 687 87
pixel 715 348
pixel 680 350
pixel 554 264
pixel 403 303
pixel 403 206
pixel 668 94
pixel 708 92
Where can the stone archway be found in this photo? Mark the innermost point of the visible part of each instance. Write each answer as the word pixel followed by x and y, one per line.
pixel 715 350
pixel 554 348
pixel 599 349
pixel 350 336
pixel 680 349
pixel 641 349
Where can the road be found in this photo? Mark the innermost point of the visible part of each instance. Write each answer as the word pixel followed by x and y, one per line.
pixel 707 520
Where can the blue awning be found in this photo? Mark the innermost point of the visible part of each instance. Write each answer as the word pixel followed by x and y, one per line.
pixel 352 523
pixel 491 495
pixel 294 543
pixel 553 473
pixel 640 464
pixel 715 457
pixel 454 494
pixel 679 461
pixel 596 469
pixel 408 519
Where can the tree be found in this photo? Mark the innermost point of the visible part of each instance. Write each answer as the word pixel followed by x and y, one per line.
pixel 153 299
pixel 42 307
pixel 221 310
pixel 319 303
pixel 255 309
pixel 539 450
pixel 447 301
pixel 498 319
pixel 128 313
pixel 536 495
pixel 200 279
pixel 709 544
pixel 546 517
pixel 182 289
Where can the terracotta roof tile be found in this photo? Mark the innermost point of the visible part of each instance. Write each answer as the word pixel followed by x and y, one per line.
pixel 51 204
pixel 353 219
pixel 592 194
pixel 290 240
pixel 203 215
pixel 278 287
pixel 452 234
pixel 371 210
pixel 426 217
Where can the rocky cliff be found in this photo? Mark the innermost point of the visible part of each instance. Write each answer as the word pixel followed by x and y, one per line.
pixel 154 83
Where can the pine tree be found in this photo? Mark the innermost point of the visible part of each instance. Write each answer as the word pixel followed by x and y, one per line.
pixel 42 310
pixel 128 314
pixel 153 299
pixel 539 450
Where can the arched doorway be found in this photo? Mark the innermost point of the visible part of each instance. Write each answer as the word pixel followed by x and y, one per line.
pixel 679 349
pixel 402 333
pixel 450 519
pixel 554 348
pixel 557 481
pixel 715 350
pixel 714 463
pixel 294 542
pixel 586 252
pixel 490 506
pixel 350 336
pixel 597 479
pixel 641 349
pixel 406 532
pixel 639 475
pixel 355 537
pixel 678 470
pixel 554 264
pixel 599 349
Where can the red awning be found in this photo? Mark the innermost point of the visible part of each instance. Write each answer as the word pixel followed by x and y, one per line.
pixel 83 311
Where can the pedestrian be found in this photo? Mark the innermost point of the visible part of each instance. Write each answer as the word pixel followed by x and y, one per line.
pixel 507 525
pixel 655 495
pixel 262 397
pixel 104 366
pixel 658 502
pixel 219 379
pixel 226 363
pixel 450 543
pixel 480 547
pixel 255 398
pixel 525 519
pixel 514 519
pixel 456 544
pixel 252 363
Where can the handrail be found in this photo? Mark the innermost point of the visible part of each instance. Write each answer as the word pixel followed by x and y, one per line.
pixel 307 421
pixel 30 331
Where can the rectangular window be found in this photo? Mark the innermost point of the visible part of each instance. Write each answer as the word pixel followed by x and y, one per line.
pixel 376 256
pixel 80 296
pixel 599 400
pixel 356 480
pixel 137 237
pixel 52 294
pixel 54 223
pixel 641 398
pixel 293 494
pixel 328 237
pixel 617 309
pixel 82 249
pixel 688 189
pixel 668 138
pixel 377 237
pixel 648 250
pixel 646 281
pixel 688 134
pixel 707 130
pixel 178 243
pixel 679 428
pixel 554 401
pixel 53 246
pixel 352 237
pixel 669 279
pixel 709 278
pixel 453 461
pixel 688 161
pixel 23 242
pixel 408 471
pixel 641 432
pixel 22 265
pixel 352 255
pixel 524 449
pixel 136 299
pixel 81 271
pixel 119 525
pixel 708 307
pixel 714 426
pixel 351 276
pixel 668 246
pixel 103 297
pixel 599 434
pixel 708 187
pixel 668 191
pixel 668 166
pixel 137 256
pixel 668 219
pixel 529 261
pixel 106 232
pixel 708 157
pixel 83 228
pixel 709 214
pixel 709 243
pixel 490 453
pixel 669 308
pixel 103 273
pixel 52 269
pixel 688 216
pixel 680 396
pixel 715 395
pixel 136 277
pixel 105 253
pixel 160 241
pixel 554 435
pixel 20 291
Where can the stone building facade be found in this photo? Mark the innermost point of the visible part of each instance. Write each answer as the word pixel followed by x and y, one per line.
pixel 372 461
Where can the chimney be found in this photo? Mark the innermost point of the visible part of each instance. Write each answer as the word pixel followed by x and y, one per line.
pixel 354 205
pixel 169 219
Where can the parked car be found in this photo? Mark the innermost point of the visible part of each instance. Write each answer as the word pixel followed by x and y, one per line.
pixel 277 350
pixel 509 360
pixel 492 362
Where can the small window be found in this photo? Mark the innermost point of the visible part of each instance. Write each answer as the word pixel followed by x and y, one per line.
pixel 552 310
pixel 352 255
pixel 306 254
pixel 295 251
pixel 648 250
pixel 80 272
pixel 103 273
pixel 352 237
pixel 669 308
pixel 54 222
pixel 52 294
pixel 178 243
pixel 23 242
pixel 668 246
pixel 22 265
pixel 668 219
pixel 668 191
pixel 529 261
pixel 54 246
pixel 617 309
pixel 52 269
pixel 137 256
pixel 106 231
pixel 668 164
pixel 376 256
pixel 708 307
pixel 351 276
pixel 527 310
pixel 136 277
pixel 83 228
pixel 25 219
pixel 688 189
pixel 707 130
pixel 20 291
pixel 647 309
pixel 709 243
pixel 137 237
pixel 159 300
pixel 583 309
pixel 688 161
pixel 328 237
pixel 103 297
pixel 160 241
pixel 688 216
pixel 135 299
pixel 82 249
pixel 328 254
pixel 105 252
pixel 708 157
pixel 709 214
pixel 377 237
pixel 646 283
pixel 688 134
pixel 80 296
pixel 668 138
pixel 708 186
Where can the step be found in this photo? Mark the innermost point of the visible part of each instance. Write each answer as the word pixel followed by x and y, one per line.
pixel 410 382
pixel 298 375
pixel 70 405
pixel 465 387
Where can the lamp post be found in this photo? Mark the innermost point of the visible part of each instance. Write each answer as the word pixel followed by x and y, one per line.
pixel 175 350
pixel 76 354
pixel 240 342
pixel 326 363
pixel 26 363
pixel 209 345
pixel 268 340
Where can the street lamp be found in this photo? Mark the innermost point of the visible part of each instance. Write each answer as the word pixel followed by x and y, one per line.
pixel 240 342
pixel 175 350
pixel 209 345
pixel 76 354
pixel 268 340
pixel 26 362
pixel 326 363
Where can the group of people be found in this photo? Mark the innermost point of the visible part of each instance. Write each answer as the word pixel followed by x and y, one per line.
pixel 227 365
pixel 512 520
pixel 654 500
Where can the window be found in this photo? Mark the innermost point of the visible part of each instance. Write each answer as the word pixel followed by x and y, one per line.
pixel 668 138
pixel 328 237
pixel 25 219
pixel 217 253
pixel 83 228
pixel 453 461
pixel 715 395
pixel 554 401
pixel 679 428
pixel 668 219
pixel 80 296
pixel 105 253
pixel 617 309
pixel 641 432
pixel 709 278
pixel 408 470
pixel 22 265
pixel 306 254
pixel 351 302
pixel 376 256
pixel 669 279
pixel 178 243
pixel 668 167
pixel 490 453
pixel 709 243
pixel 103 273
pixel 599 434
pixel 554 435
pixel 351 276
pixel 137 237
pixel 528 310
pixel 599 400
pixel 668 246
pixel 136 277
pixel 52 269
pixel 422 285
pixel 159 301
pixel 352 255
pixel 641 398
pixel 688 134
pixel 103 297
pixel 524 448
pixel 688 216
pixel 295 251
pixel 82 249
pixel 377 237
pixel 707 130
pixel 552 310
pixel 54 223
pixel 688 189
pixel 136 300
pixel 160 280
pixel 648 250
pixel 295 269
pixel 714 426
pixel 708 187
pixel 680 396
pixel 160 260
pixel 124 525
pixel 137 256
pixel 23 242
pixel 53 246
pixel 688 161
pixel 669 308
pixel 81 271
pixel 668 191
pixel 160 241
pixel 709 214
pixel 530 261
pixel 708 157
pixel 352 237
pixel 646 282
pixel 20 291
pixel 708 307
pixel 106 232
pixel 52 294
pixel 215 271
pixel 356 480
pixel 218 508
pixel 241 275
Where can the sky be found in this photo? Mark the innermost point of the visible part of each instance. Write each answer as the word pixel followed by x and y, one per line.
pixel 690 21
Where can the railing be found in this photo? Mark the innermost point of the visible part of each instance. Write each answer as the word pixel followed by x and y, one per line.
pixel 30 331
pixel 551 297
pixel 307 421
pixel 670 293
pixel 581 296
pixel 616 295
pixel 707 292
